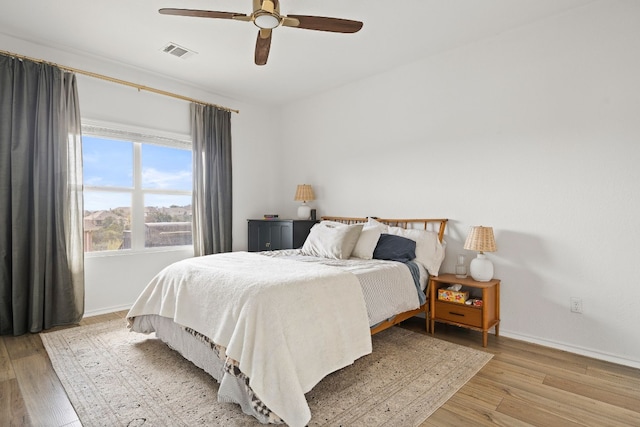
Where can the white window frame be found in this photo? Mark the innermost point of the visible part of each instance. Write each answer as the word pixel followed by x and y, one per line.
pixel 137 136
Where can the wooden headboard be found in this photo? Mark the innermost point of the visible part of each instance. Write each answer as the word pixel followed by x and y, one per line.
pixel 433 224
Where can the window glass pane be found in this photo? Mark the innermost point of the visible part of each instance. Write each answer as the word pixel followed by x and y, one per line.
pixel 116 174
pixel 107 162
pixel 107 221
pixel 166 168
pixel 167 220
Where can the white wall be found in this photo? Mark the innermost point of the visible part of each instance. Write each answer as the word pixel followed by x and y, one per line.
pixel 113 282
pixel 536 133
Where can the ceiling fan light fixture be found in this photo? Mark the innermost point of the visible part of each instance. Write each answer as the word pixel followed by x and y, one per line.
pixel 266 20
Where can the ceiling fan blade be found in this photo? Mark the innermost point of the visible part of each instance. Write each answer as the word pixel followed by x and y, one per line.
pixel 267 5
pixel 263 44
pixel 322 23
pixel 246 18
pixel 201 13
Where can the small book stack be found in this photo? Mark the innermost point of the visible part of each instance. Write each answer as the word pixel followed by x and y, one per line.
pixel 270 216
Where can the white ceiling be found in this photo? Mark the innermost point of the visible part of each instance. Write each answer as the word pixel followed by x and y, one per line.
pixel 301 62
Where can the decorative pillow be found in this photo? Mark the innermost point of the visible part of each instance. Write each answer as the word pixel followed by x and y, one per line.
pixel 332 240
pixel 429 251
pixel 367 242
pixel 395 248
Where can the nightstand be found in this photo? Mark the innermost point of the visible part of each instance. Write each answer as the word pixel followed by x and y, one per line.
pixel 275 234
pixel 480 318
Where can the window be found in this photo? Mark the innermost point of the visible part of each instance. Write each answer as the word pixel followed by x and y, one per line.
pixel 137 190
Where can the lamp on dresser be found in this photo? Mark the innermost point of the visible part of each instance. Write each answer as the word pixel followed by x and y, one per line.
pixel 481 239
pixel 304 194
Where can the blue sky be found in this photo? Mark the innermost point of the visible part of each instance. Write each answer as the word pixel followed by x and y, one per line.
pixel 110 163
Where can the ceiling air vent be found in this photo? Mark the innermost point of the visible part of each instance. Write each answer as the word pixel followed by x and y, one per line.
pixel 177 50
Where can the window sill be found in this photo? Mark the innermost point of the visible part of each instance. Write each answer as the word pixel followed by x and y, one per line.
pixel 136 252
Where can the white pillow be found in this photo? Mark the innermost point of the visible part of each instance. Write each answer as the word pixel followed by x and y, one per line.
pixel 429 250
pixel 332 223
pixel 373 223
pixel 332 240
pixel 367 242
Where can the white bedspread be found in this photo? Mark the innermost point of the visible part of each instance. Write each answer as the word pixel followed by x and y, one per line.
pixel 387 286
pixel 288 324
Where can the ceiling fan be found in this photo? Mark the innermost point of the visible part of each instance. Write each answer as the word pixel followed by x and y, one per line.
pixel 266 16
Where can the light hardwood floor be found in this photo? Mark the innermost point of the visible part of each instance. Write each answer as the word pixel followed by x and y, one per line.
pixel 524 384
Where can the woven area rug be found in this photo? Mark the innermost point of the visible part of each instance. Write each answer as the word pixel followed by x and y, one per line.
pixel 114 377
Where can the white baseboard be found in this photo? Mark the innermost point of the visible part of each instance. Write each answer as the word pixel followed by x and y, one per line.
pixel 92 313
pixel 570 348
pixel 573 349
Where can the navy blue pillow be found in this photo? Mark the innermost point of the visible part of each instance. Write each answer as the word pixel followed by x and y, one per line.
pixel 395 248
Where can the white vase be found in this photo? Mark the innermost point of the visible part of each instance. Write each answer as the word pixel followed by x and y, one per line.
pixel 481 269
pixel 304 211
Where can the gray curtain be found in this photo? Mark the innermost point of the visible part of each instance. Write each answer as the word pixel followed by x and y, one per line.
pixel 212 197
pixel 41 253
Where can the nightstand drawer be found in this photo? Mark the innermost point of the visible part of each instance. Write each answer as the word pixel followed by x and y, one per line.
pixel 459 313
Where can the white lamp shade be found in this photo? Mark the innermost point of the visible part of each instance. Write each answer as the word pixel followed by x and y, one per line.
pixel 481 268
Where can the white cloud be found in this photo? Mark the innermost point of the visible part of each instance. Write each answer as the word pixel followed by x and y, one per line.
pixel 152 178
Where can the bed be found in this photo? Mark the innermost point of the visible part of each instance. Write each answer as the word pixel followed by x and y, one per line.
pixel 269 326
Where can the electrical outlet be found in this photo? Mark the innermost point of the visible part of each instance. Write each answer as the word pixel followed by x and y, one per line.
pixel 576 305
